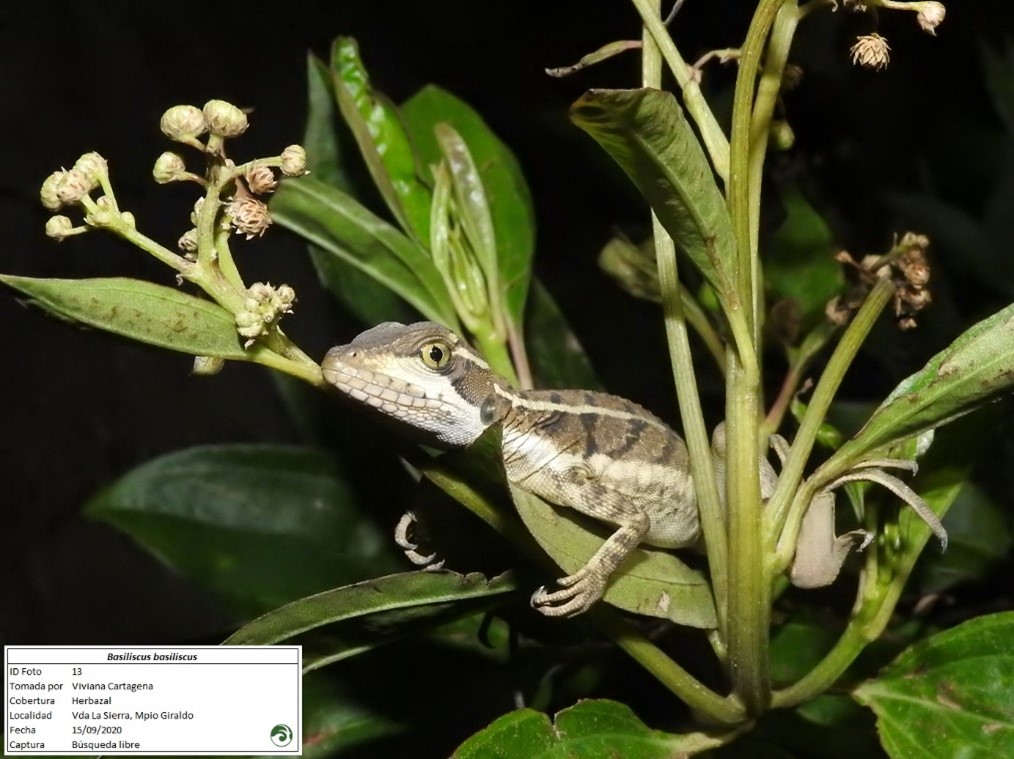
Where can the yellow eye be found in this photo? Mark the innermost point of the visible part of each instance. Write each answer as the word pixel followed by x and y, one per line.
pixel 435 354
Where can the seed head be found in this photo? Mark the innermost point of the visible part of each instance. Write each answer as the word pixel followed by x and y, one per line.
pixel 249 216
pixel 261 179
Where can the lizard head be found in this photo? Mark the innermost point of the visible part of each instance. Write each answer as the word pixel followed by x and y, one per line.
pixel 421 374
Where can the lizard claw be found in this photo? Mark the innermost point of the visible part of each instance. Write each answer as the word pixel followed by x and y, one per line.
pixel 401 530
pixel 576 595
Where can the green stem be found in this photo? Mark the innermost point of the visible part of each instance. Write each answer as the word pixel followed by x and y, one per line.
pixel 701 468
pixel 307 372
pixel 496 353
pixel 711 132
pixel 698 319
pixel 695 694
pixel 777 510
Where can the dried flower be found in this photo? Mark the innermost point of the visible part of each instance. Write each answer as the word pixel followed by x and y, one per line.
pixel 169 167
pixel 249 216
pixel 183 123
pixel 294 161
pixel 871 51
pixel 261 179
pixel 224 119
pixel 48 194
pixel 791 77
pixel 931 15
pixel 188 241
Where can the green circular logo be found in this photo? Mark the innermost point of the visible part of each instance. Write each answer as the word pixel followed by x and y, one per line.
pixel 281 735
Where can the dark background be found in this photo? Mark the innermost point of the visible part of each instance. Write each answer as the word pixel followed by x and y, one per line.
pixel 79 409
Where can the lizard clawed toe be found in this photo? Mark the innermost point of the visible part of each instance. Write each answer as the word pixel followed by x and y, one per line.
pixel 410 548
pixel 576 595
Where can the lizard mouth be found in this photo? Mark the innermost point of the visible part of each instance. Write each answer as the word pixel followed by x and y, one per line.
pixel 386 393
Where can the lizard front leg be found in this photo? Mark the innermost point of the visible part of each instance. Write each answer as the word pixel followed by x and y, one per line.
pixel 582 589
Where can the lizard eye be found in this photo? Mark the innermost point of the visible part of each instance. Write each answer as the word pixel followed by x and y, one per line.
pixel 435 354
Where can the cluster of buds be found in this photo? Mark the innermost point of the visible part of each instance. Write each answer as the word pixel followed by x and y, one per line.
pixel 67 188
pixel 905 264
pixel 263 306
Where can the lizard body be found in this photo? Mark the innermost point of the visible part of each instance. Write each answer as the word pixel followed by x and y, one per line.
pixel 597 453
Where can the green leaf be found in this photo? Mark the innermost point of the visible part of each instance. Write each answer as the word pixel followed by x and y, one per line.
pixel 651 581
pixel 510 202
pixel 801 264
pixel 950 694
pixel 383 140
pixel 320 138
pixel 647 134
pixel 368 614
pixel 979 537
pixel 340 226
pixel 588 730
pixel 139 310
pixel 256 525
pixel 975 369
pixel 558 360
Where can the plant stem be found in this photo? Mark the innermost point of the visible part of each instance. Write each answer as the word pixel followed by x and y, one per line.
pixel 711 133
pixel 309 372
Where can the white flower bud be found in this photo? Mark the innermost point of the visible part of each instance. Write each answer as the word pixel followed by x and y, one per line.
pixel 294 161
pixel 48 194
pixel 931 15
pixel 206 366
pixel 59 227
pixel 168 168
pixel 128 219
pixel 183 123
pixel 224 118
pixel 198 205
pixel 93 166
pixel 73 186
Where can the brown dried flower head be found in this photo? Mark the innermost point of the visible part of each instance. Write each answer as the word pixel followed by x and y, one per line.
pixel 871 51
pixel 261 179
pixel 249 216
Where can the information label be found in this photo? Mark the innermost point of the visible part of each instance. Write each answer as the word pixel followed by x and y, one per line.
pixel 153 700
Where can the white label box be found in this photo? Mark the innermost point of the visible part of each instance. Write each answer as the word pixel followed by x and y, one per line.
pixel 227 700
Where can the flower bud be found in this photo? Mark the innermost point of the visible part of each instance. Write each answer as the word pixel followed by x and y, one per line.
pixel 249 216
pixel 103 214
pixel 206 366
pixel 168 168
pixel 249 325
pixel 261 179
pixel 93 166
pixel 931 15
pixel 198 205
pixel 188 241
pixel 183 123
pixel 286 295
pixel 48 194
pixel 782 136
pixel 73 186
pixel 294 161
pixel 59 227
pixel 871 51
pixel 224 118
pixel 128 219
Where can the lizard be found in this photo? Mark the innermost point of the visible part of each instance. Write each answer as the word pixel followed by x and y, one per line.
pixel 599 454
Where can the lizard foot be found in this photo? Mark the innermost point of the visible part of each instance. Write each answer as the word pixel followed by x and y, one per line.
pixel 577 594
pixel 411 548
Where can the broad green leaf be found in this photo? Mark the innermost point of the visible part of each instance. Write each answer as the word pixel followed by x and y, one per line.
pixel 256 525
pixel 950 694
pixel 367 299
pixel 510 202
pixel 978 367
pixel 979 537
pixel 139 310
pixel 588 730
pixel 647 134
pixel 651 581
pixel 797 646
pixel 558 360
pixel 342 227
pixel 801 264
pixel 320 138
pixel 383 140
pixel 361 617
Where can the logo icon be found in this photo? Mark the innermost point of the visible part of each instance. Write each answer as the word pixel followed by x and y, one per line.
pixel 281 735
